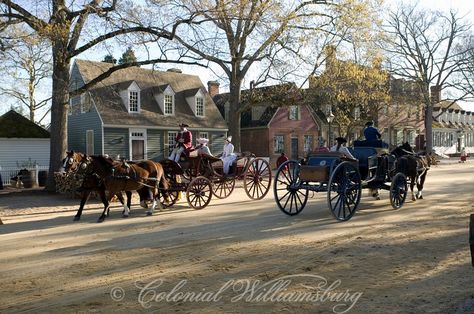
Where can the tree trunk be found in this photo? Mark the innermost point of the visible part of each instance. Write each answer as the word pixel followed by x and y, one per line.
pixel 429 128
pixel 234 112
pixel 59 109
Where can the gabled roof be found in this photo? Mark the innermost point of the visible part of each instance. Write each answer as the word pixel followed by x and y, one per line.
pixel 271 97
pixel 447 104
pixel 14 125
pixel 106 96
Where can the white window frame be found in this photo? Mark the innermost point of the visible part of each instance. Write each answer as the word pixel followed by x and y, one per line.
pixel 199 114
pixel 278 146
pixel 130 93
pixel 137 134
pixel 293 112
pixel 165 97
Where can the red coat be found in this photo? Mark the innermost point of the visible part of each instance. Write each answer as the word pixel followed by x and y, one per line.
pixel 187 137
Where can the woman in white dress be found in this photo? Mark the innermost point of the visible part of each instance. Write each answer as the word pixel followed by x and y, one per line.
pixel 228 155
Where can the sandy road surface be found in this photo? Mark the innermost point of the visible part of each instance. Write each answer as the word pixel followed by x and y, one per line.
pixel 241 256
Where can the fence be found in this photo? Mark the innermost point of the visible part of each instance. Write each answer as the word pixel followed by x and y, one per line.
pixel 9 172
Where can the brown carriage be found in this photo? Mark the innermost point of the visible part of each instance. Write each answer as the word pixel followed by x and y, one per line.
pixel 200 176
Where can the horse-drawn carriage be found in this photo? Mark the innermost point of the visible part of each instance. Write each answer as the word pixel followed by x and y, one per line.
pixel 200 176
pixel 341 178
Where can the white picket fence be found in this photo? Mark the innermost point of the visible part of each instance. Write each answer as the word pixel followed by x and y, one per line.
pixel 9 172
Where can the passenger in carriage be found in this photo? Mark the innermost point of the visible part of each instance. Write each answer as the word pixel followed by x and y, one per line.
pixel 340 147
pixel 372 136
pixel 183 142
pixel 228 155
pixel 202 148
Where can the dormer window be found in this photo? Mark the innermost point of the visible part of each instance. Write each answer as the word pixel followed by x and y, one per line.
pixel 195 100
pixel 199 106
pixel 131 97
pixel 166 100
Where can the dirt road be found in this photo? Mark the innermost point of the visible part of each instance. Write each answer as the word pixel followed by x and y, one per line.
pixel 241 256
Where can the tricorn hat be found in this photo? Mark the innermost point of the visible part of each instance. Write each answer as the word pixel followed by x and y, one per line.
pixel 184 125
pixel 369 123
pixel 341 140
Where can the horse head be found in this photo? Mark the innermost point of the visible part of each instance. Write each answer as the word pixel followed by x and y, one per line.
pixel 403 150
pixel 71 161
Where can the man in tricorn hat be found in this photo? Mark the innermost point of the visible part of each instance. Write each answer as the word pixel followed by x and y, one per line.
pixel 183 142
pixel 340 147
pixel 371 133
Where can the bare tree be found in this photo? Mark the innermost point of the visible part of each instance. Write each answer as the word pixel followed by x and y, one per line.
pixel 422 47
pixel 26 67
pixel 245 37
pixel 74 27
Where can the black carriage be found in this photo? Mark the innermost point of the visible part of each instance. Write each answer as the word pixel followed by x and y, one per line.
pixel 341 178
pixel 200 176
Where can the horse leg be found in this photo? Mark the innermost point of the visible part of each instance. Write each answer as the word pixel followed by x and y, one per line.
pixel 106 203
pixel 412 186
pixel 127 206
pixel 85 196
pixel 420 185
pixel 154 204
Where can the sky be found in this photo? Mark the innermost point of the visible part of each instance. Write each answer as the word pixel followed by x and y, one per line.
pixel 462 6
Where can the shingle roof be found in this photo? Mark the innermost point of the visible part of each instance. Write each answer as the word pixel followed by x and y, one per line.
pixel 14 125
pixel 106 96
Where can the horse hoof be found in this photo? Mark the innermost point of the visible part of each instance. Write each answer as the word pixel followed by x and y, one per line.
pixel 149 213
pixel 420 197
pixel 100 220
pixel 124 216
pixel 378 198
pixel 76 218
pixel 143 204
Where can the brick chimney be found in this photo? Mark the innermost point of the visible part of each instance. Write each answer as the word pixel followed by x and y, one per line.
pixel 213 88
pixel 435 94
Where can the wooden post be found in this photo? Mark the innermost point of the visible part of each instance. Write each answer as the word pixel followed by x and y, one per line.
pixel 471 238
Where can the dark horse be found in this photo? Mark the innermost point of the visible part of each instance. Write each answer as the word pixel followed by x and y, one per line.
pixel 126 177
pixel 414 166
pixel 92 183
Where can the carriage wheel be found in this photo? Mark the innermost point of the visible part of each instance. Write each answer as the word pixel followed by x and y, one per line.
pixel 199 192
pixel 257 179
pixel 344 191
pixel 170 199
pixel 398 190
pixel 288 196
pixel 223 187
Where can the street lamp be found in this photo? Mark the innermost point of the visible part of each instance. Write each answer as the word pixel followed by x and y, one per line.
pixel 329 118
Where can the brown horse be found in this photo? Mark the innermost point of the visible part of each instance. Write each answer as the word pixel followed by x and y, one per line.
pixel 126 177
pixel 92 183
pixel 414 166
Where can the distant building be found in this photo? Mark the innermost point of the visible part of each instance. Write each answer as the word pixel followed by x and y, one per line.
pixel 22 141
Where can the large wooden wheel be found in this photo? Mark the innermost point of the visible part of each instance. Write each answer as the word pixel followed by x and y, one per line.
pixel 286 189
pixel 344 191
pixel 223 187
pixel 168 198
pixel 199 192
pixel 398 190
pixel 257 179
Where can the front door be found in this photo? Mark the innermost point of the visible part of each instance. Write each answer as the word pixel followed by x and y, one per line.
pixel 138 149
pixel 294 148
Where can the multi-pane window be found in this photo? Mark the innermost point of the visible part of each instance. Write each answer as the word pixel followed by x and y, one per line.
pixel 199 106
pixel 278 144
pixel 293 113
pixel 168 104
pixel 171 140
pixel 308 143
pixel 204 135
pixel 133 101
